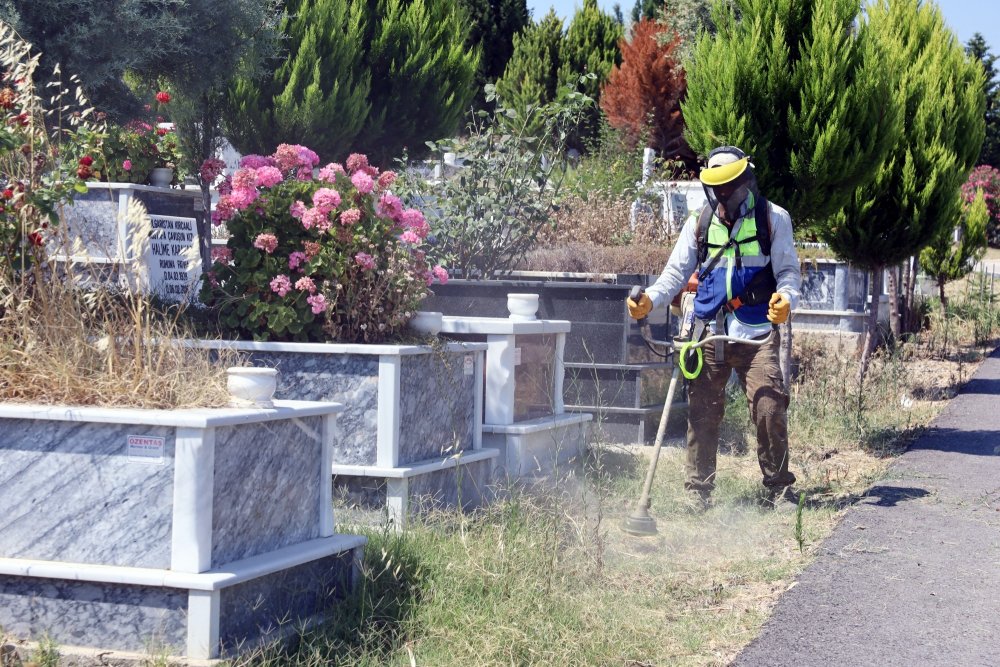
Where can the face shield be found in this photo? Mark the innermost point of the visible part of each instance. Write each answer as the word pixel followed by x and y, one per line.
pixel 727 186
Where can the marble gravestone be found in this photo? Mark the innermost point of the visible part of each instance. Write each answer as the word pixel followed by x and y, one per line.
pixel 166 263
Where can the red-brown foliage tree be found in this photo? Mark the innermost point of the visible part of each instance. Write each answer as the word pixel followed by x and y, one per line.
pixel 642 97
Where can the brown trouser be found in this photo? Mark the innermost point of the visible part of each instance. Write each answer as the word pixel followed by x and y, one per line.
pixel 760 374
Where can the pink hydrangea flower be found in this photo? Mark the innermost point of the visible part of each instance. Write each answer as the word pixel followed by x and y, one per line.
pixel 350 217
pixel 268 177
pixel 297 209
pixel 242 197
pixel 224 210
pixel 326 199
pixel 256 162
pixel 314 217
pixel 226 186
pixel 266 242
pixel 363 182
pixel 356 162
pixel 305 284
pixel 389 206
pixel 386 179
pixel 296 259
pixel 410 237
pixel 222 254
pixel 245 179
pixel 281 285
pixel 364 260
pixel 440 273
pixel 414 220
pixel 330 171
pixel 318 303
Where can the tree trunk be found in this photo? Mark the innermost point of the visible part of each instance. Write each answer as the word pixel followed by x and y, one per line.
pixel 893 289
pixel 205 226
pixel 871 335
pixel 941 294
pixel 785 354
pixel 912 323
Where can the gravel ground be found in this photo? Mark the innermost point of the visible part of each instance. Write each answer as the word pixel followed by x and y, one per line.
pixel 911 576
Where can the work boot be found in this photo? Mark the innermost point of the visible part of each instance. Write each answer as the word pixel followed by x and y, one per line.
pixel 698 500
pixel 783 499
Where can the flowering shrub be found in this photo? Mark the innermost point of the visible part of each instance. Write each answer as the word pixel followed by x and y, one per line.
pixel 986 178
pixel 331 257
pixel 130 152
pixel 42 164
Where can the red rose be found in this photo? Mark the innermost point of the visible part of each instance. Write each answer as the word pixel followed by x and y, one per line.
pixel 163 97
pixel 161 131
pixel 83 172
pixel 86 160
pixel 36 239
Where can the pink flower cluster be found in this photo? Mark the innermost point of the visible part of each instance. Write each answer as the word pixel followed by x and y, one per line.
pixel 281 285
pixel 211 169
pixel 365 261
pixel 222 254
pixel 292 158
pixel 266 242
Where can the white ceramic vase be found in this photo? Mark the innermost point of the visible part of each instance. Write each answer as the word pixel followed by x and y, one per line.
pixel 522 306
pixel 161 177
pixel 426 321
pixel 252 387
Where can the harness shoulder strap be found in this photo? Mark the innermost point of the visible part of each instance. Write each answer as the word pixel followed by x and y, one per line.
pixel 704 220
pixel 762 211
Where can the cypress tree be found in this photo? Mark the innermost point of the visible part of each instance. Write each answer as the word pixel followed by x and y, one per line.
pixel 421 74
pixel 590 46
pixel 317 95
pixel 796 86
pixel 913 197
pixel 493 26
pixel 956 250
pixel 642 97
pixel 531 77
pixel 645 9
pixel 977 48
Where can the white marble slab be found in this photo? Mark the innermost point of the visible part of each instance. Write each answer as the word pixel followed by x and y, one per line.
pixel 452 324
pixel 330 348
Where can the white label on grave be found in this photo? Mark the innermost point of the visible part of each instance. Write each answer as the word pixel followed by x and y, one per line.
pixel 173 262
pixel 144 449
pixel 468 364
pixel 517 356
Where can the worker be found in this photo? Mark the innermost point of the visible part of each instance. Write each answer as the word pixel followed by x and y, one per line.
pixel 748 280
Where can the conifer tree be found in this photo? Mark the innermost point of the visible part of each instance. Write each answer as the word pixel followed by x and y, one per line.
pixel 531 77
pixel 421 75
pixel 493 26
pixel 979 49
pixel 318 93
pixel 646 9
pixel 954 253
pixel 642 97
pixel 798 88
pixel 590 47
pixel 913 197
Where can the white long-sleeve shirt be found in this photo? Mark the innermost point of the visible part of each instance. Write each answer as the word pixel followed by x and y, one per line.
pixel 684 260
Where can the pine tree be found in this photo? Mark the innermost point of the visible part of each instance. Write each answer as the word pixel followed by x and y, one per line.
pixel 642 97
pixel 798 89
pixel 493 26
pixel 913 198
pixel 318 93
pixel 531 77
pixel 421 75
pixel 977 48
pixel 954 253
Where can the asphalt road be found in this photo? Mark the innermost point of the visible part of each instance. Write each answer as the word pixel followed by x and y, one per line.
pixel 911 576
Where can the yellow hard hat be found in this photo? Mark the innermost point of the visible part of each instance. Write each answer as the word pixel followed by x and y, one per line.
pixel 724 171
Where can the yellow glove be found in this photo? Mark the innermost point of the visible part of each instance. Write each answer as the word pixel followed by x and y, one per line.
pixel 639 310
pixel 778 308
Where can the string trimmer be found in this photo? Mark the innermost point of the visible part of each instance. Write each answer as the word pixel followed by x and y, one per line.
pixel 640 523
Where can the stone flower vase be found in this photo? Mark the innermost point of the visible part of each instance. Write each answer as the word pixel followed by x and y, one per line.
pixel 161 177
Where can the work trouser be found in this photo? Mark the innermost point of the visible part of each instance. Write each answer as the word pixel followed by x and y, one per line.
pixel 760 374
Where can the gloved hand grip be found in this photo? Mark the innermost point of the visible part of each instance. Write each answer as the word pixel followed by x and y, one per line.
pixel 639 304
pixel 778 308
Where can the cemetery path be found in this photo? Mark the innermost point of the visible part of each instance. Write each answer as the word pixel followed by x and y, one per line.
pixel 911 574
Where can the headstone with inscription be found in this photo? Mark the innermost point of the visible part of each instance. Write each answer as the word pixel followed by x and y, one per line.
pixel 101 238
